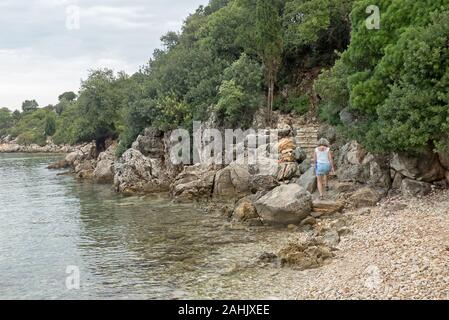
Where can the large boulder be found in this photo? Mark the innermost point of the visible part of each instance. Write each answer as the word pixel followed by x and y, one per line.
pixel 425 167
pixel 300 155
pixel 414 188
pixel 135 173
pixel 194 182
pixel 261 182
pixel 350 164
pixel 286 204
pixel 232 181
pixel 308 181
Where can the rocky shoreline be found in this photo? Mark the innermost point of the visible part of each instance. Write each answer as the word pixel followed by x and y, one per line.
pixel 278 190
pixel 11 147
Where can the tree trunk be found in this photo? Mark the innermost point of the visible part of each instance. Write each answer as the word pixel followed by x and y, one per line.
pixel 270 95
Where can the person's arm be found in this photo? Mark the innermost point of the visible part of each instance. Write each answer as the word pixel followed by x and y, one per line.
pixel 314 158
pixel 331 160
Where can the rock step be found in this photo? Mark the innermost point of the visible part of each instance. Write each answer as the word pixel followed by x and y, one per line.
pixel 323 207
pixel 307 138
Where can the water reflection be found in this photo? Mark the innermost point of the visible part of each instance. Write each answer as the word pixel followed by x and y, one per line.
pixel 143 247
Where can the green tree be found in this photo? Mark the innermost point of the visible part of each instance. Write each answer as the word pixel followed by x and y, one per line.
pixel 68 96
pixel 394 80
pixel 240 92
pixel 29 106
pixel 99 103
pixel 50 124
pixel 269 43
pixel 6 121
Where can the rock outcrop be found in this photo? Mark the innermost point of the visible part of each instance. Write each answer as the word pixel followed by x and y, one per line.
pixel 425 167
pixel 147 166
pixel 135 173
pixel 104 171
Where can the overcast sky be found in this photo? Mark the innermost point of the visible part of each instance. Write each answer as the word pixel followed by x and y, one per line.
pixel 46 50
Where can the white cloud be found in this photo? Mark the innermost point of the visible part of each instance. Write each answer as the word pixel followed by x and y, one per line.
pixel 25 75
pixel 40 58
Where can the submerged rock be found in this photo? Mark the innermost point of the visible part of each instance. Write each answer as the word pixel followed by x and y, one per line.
pixel 306 255
pixel 245 211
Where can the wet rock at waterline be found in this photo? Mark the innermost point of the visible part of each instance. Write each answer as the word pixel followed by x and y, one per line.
pixel 305 255
pixel 135 173
pixel 231 181
pixel 104 171
pixel 245 211
pixel 194 182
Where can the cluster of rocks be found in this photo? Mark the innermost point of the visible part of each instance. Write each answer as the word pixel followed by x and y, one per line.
pixel 7 145
pixel 87 163
pixel 378 176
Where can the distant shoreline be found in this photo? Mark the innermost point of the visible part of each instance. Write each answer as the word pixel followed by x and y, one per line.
pixel 34 148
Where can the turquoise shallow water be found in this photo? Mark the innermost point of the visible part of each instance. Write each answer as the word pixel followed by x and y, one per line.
pixel 124 247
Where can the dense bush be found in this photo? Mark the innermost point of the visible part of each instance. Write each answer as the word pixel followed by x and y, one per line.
pixel 394 80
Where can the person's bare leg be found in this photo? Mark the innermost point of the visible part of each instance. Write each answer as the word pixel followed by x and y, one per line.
pixel 325 182
pixel 320 185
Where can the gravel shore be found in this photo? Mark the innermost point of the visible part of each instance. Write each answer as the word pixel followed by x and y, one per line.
pixel 398 250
